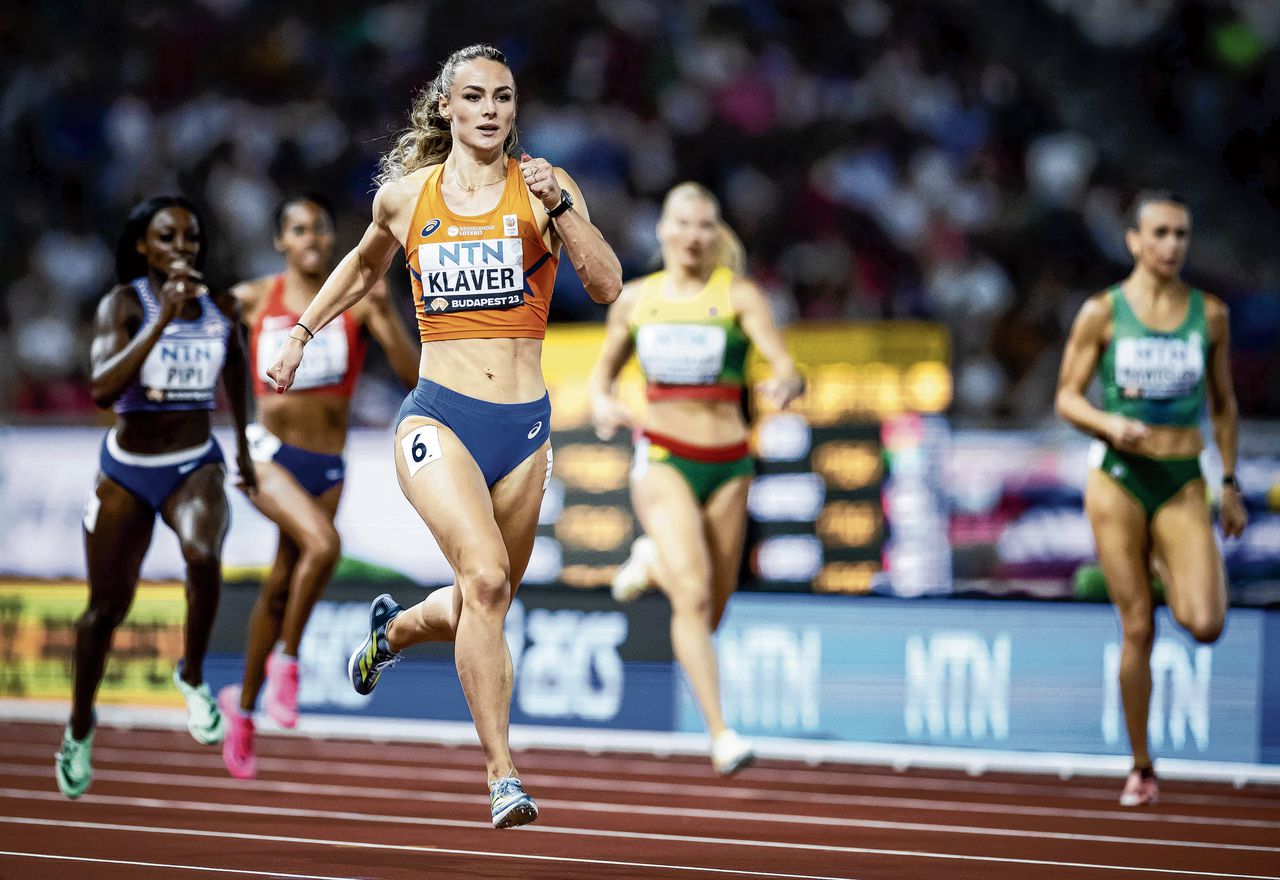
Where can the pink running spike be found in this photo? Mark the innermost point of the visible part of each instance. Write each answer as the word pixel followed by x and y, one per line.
pixel 1139 791
pixel 281 698
pixel 237 747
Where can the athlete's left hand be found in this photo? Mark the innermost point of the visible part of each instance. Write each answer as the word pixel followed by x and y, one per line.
pixel 1231 515
pixel 780 390
pixel 247 481
pixel 540 177
pixel 286 365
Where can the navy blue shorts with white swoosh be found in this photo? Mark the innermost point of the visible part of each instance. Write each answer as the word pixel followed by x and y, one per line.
pixel 153 478
pixel 315 472
pixel 499 436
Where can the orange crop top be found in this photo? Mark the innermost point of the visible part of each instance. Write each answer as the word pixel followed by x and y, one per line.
pixel 483 277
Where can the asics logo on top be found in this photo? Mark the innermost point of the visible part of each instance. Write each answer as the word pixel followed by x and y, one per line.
pixel 430 227
pixel 533 432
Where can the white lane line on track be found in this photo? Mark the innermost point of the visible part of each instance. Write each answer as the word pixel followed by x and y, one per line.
pixel 723 792
pixel 841 775
pixel 662 811
pixel 385 819
pixel 275 875
pixel 434 850
pixel 23 820
pixel 812 752
pixel 447 756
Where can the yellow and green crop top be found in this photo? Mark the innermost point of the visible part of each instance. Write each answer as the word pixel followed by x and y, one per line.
pixel 690 347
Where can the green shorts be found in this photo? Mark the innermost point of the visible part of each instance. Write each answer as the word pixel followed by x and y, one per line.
pixel 705 469
pixel 1151 481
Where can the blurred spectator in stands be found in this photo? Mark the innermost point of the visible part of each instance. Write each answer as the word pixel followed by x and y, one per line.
pixel 876 162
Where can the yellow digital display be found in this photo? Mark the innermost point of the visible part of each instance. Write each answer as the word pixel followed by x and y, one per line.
pixel 845 577
pixel 594 527
pixel 592 467
pixel 846 464
pixel 587 576
pixel 835 393
pixel 849 523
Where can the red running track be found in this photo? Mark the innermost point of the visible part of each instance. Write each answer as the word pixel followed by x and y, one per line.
pixel 162 806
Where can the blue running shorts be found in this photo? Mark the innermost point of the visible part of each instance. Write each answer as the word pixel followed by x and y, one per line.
pixel 499 436
pixel 153 478
pixel 316 472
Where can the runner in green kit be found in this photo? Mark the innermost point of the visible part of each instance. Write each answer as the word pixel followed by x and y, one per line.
pixel 1158 346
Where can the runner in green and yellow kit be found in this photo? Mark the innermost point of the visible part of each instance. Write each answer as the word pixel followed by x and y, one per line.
pixel 690 326
pixel 1158 346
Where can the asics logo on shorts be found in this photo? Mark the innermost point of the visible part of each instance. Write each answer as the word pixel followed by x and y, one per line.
pixel 533 432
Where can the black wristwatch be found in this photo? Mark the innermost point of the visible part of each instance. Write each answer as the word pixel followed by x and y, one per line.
pixel 566 202
pixel 1230 480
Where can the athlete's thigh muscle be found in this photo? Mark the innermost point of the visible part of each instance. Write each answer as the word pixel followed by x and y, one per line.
pixel 283 501
pixel 670 515
pixel 445 486
pixel 1121 539
pixel 1182 536
pixel 725 527
pixel 517 500
pixel 197 511
pixel 118 529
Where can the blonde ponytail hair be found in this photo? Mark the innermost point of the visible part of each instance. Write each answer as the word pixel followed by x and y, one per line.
pixel 730 253
pixel 729 250
pixel 428 139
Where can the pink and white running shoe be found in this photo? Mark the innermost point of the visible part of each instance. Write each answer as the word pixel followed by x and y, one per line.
pixel 281 698
pixel 237 747
pixel 1140 789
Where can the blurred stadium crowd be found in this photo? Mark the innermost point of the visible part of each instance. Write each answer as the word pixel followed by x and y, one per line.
pixel 877 160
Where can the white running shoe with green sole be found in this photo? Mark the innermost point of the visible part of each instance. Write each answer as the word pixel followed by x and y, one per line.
pixel 73 766
pixel 204 721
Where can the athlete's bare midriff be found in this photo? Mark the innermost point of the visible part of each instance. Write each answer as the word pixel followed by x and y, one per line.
pixel 497 370
pixel 313 421
pixel 1170 441
pixel 697 422
pixel 155 433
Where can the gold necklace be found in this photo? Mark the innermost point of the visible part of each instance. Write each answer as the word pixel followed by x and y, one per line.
pixel 471 190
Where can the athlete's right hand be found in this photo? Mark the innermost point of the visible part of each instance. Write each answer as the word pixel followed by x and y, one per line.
pixel 1126 434
pixel 781 389
pixel 183 283
pixel 607 416
pixel 286 365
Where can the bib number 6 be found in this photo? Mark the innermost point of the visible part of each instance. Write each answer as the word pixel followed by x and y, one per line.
pixel 420 448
